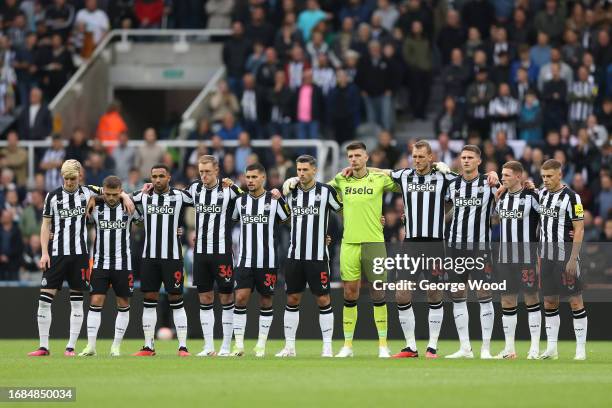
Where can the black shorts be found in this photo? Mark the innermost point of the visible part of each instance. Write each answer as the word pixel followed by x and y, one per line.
pixel 122 282
pixel 154 272
pixel 430 250
pixel 262 279
pixel 298 273
pixel 556 282
pixel 470 265
pixel 518 277
pixel 208 269
pixel 72 268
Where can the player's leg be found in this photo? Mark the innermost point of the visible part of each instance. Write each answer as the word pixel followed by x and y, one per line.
pixel 295 278
pixel 43 315
pixel 123 285
pixel 369 253
pixel 172 273
pixel 225 287
pixel 150 282
pixel 460 309
pixel 94 317
pixel 580 325
pixel 240 312
pixel 265 282
pixel 436 316
pixel 318 278
pixel 551 288
pixel 203 279
pixel 350 273
pixel 78 269
pixel 405 313
pixel 509 318
pixel 530 281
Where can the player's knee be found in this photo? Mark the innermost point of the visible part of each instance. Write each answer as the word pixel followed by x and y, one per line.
pixel 98 300
pixel 403 296
pixel 226 298
pixel 323 300
pixel 265 301
pixel 551 303
pixel 508 301
pixel 531 298
pixel 123 302
pixel 576 302
pixel 434 296
pixel 151 296
pixel 293 299
pixel 207 297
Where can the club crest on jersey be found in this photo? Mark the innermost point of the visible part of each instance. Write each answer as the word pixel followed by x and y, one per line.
pixel 71 212
pixel 267 207
pixel 43 282
pixel 208 209
pixel 318 197
pixel 160 209
pixel 522 201
pixel 421 188
pixel 481 189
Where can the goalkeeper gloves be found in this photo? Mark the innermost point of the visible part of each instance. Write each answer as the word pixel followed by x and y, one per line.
pixel 289 185
pixel 441 167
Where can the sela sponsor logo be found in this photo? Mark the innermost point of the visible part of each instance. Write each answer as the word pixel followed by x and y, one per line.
pixel 358 190
pixel 301 211
pixel 255 219
pixel 511 214
pixel 71 212
pixel 468 202
pixel 160 209
pixel 549 212
pixel 111 225
pixel 208 209
pixel 421 188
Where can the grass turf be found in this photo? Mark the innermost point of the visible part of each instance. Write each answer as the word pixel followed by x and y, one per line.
pixel 308 380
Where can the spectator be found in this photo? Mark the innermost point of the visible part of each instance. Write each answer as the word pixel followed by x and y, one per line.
pixel 253 110
pixel 597 133
pixel 243 151
pixel 551 21
pixel 287 37
pixel 310 17
pixel 94 19
pixel 417 55
pixel 59 17
pixel 111 125
pixel 500 73
pixel 52 162
pixel 373 80
pixel 456 76
pixel 503 113
pixel 604 117
pixel 451 36
pixel 13 204
pixel 524 62
pixel 11 247
pixel 581 97
pixel 317 46
pixel 229 167
pixel 473 43
pixel 95 172
pixel 133 181
pixel 522 85
pixel 57 67
pixel 258 28
pixel 150 153
pixel 35 119
pixel 540 53
pixel 503 152
pixel 280 100
pixel 360 42
pixel 124 157
pixel 294 69
pixel 343 112
pixel 387 146
pixel 16 158
pixel 387 11
pixel 230 128
pixel 444 153
pixel 358 10
pixel 530 120
pixel 450 120
pixel 149 13
pixel 222 102
pixel 17 33
pixel 571 51
pixel 309 108
pixel 602 51
pixel 31 217
pixel 546 71
pixel 236 50
pixel 324 76
pixel 604 198
pixel 378 32
pixel 25 68
pixel 77 147
pixel 265 74
pixel 31 257
pixel 479 95
pixel 586 195
pixel 520 30
pixel 255 60
pixel 554 95
pixel 500 45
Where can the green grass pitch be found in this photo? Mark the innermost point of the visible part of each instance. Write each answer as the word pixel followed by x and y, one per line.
pixel 310 381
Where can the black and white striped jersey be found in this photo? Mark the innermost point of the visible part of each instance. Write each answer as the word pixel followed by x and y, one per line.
pixel 213 208
pixel 518 218
pixel 309 211
pixel 68 219
pixel 423 197
pixel 473 202
pixel 258 216
pixel 558 210
pixel 112 243
pixel 504 111
pixel 162 214
pixel 582 97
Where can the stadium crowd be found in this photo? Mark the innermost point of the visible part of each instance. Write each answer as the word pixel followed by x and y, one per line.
pixel 532 70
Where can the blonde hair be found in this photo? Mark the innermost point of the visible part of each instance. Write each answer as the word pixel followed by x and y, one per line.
pixel 71 168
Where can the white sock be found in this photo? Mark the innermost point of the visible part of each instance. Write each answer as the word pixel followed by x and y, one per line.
pixel 76 319
pixel 239 323
pixel 290 323
pixel 94 316
pixel 552 320
pixel 44 318
pixel 326 322
pixel 462 322
pixel 487 319
pixel 406 319
pixel 227 318
pixel 535 325
pixel 580 327
pixel 149 320
pixel 265 321
pixel 436 316
pixel 180 321
pixel 509 325
pixel 121 323
pixel 207 320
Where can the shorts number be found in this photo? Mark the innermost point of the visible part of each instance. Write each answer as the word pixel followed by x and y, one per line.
pixel 178 276
pixel 131 280
pixel 270 279
pixel 568 280
pixel 324 278
pixel 225 271
pixel 528 275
